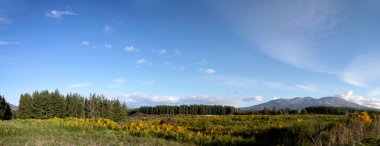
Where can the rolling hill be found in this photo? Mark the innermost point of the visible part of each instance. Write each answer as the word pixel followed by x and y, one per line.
pixel 299 103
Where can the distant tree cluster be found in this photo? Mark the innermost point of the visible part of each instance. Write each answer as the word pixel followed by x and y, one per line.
pixel 307 110
pixel 189 109
pixel 45 104
pixel 268 111
pixel 5 109
pixel 328 110
pixel 275 111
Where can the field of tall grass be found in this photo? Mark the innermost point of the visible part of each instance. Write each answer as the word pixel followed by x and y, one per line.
pixel 358 128
pixel 70 131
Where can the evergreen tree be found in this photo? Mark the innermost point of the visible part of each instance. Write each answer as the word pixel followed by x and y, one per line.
pixel 70 105
pixel 265 111
pixel 87 108
pixel 40 104
pixel 124 109
pixel 5 109
pixel 25 106
pixel 75 105
pixel 56 105
pixel 117 111
pixel 94 106
pixel 43 105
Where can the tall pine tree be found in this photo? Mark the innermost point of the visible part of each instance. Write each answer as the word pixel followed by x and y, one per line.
pixel 56 105
pixel 45 104
pixel 25 106
pixel 5 109
pixel 40 104
pixel 117 111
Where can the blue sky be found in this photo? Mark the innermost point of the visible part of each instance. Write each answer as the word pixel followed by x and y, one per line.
pixel 148 52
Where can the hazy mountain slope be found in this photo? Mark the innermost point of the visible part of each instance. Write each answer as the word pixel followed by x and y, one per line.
pixel 13 107
pixel 302 102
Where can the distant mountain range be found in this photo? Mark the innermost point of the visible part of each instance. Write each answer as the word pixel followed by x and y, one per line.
pixel 299 103
pixel 13 107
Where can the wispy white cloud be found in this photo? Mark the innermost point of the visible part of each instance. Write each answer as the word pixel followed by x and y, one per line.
pixel 136 100
pixel 363 70
pixel 160 51
pixel 177 67
pixel 4 43
pixel 131 49
pixel 166 52
pixel 208 70
pixel 286 31
pixel 107 45
pixel 255 98
pixel 117 83
pixel 350 96
pixel 249 83
pixel 275 98
pixel 308 88
pixel 142 61
pixel 85 43
pixel 78 85
pixel 203 62
pixel 370 102
pixel 107 29
pixel 173 66
pixel 59 14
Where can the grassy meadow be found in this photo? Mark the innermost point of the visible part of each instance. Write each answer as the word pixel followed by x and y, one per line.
pixel 70 131
pixel 195 130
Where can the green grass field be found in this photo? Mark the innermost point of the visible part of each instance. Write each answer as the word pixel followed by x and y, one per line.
pixel 46 132
pixel 188 130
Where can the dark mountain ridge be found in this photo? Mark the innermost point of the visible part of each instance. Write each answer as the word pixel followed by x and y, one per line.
pixel 299 103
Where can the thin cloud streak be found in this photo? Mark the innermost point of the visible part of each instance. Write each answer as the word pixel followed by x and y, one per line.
pixel 255 98
pixel 107 29
pixel 288 36
pixel 248 83
pixel 210 71
pixel 107 45
pixel 142 61
pixel 59 14
pixel 85 43
pixel 308 88
pixel 4 43
pixel 117 83
pixel 131 49
pixel 363 70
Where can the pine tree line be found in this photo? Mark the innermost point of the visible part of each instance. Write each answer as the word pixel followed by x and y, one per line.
pixel 5 109
pixel 45 104
pixel 329 110
pixel 191 109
